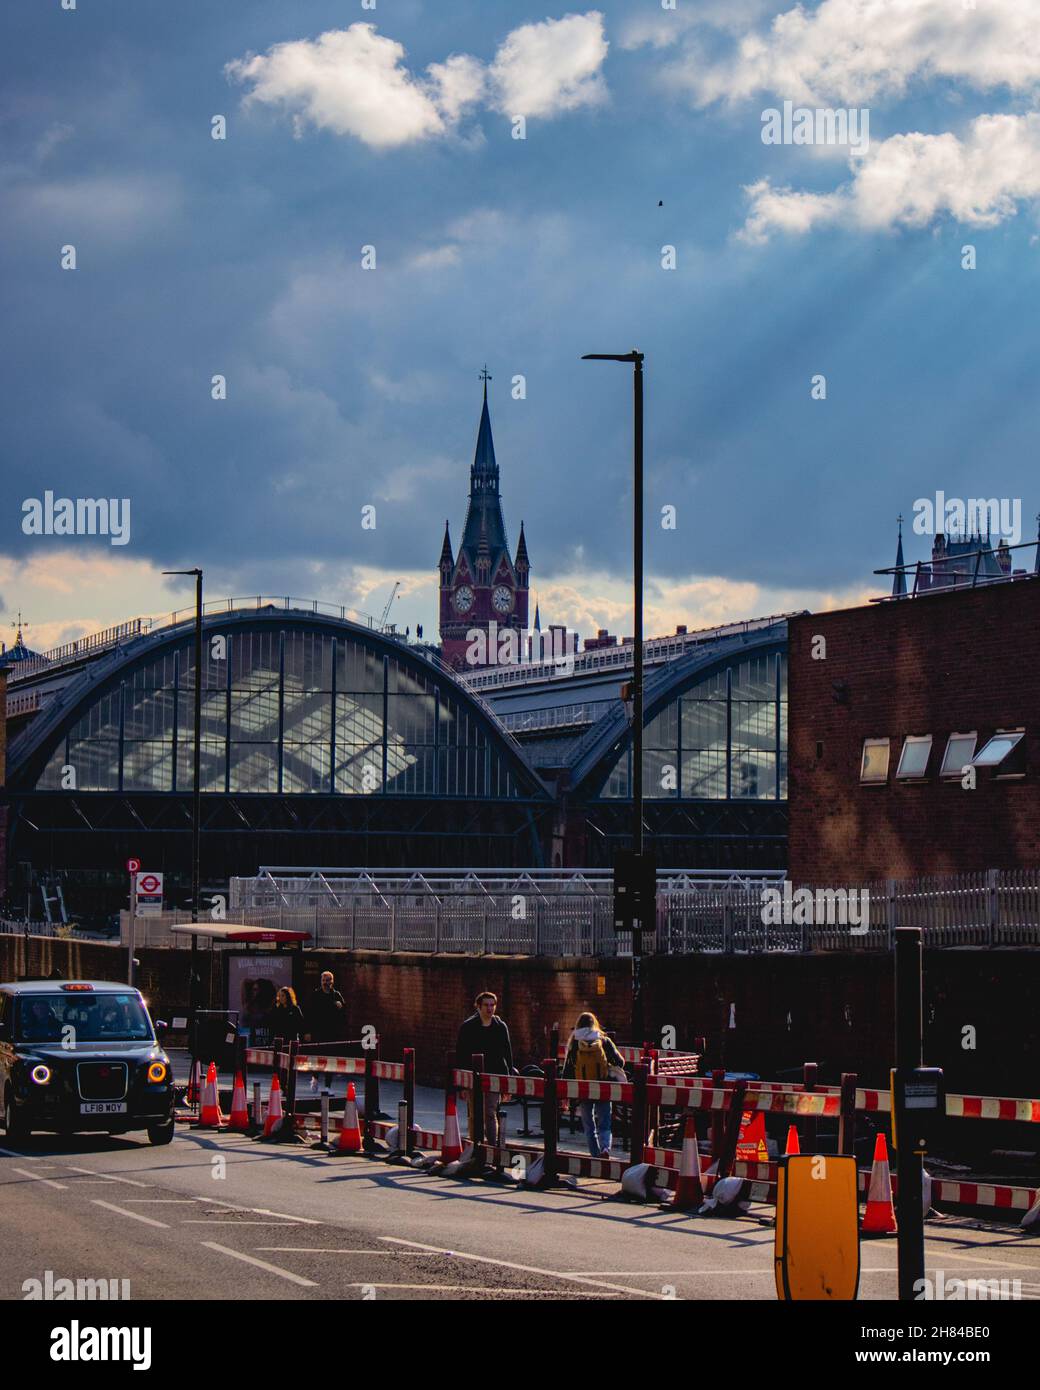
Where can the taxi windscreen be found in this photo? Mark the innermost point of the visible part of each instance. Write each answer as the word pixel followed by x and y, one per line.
pixel 93 1018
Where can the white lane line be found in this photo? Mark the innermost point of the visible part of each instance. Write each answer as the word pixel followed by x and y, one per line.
pixel 161 1201
pixel 109 1177
pixel 482 1293
pixel 260 1211
pixel 338 1250
pixel 133 1215
pixel 260 1264
pixel 62 1187
pixel 203 1221
pixel 523 1269
pixel 940 1255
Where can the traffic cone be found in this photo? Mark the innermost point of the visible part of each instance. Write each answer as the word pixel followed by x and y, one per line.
pixel 239 1118
pixel 349 1141
pixel 879 1218
pixel 688 1191
pixel 451 1147
pixel 274 1117
pixel 210 1116
pixel 793 1147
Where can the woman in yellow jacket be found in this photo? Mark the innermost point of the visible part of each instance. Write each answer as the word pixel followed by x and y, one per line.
pixel 591 1056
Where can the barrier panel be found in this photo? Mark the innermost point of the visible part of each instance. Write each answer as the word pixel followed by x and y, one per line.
pixel 724 1101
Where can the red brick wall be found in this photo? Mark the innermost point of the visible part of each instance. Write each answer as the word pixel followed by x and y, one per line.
pixel 833 1009
pixel 945 663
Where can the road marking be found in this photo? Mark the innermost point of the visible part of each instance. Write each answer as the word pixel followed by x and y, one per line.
pixel 165 1201
pixel 337 1250
pixel 134 1215
pixel 979 1260
pixel 62 1187
pixel 524 1269
pixel 260 1264
pixel 203 1221
pixel 484 1293
pixel 260 1211
pixel 108 1177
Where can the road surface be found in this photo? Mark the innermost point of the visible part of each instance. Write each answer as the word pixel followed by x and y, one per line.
pixel 217 1216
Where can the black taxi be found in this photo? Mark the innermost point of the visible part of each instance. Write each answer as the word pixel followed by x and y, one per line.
pixel 81 1055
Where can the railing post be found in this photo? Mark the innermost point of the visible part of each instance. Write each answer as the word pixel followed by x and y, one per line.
pixel 409 1099
pixel 368 1142
pixel 809 1126
pixel 847 1119
pixel 290 1108
pixel 993 905
pixel 637 1137
pixel 717 1127
pixel 436 928
pixel 476 1108
pixel 550 1122
pixel 890 911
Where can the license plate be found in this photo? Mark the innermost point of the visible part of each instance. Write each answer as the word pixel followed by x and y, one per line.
pixel 103 1107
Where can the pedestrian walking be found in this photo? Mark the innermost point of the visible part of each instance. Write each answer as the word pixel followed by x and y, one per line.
pixel 326 1018
pixel 484 1033
pixel 286 1017
pixel 591 1056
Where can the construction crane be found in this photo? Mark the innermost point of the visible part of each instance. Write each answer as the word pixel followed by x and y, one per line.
pixel 386 610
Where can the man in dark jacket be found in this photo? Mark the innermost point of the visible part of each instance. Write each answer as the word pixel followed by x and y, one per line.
pixel 326 1017
pixel 485 1033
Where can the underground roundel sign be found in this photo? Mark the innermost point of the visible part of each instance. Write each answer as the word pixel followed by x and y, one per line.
pixel 149 885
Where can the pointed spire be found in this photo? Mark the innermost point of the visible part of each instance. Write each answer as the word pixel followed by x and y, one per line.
pixel 899 578
pixel 521 551
pixel 537 617
pixel 446 555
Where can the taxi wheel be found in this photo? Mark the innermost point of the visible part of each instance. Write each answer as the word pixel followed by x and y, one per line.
pixel 160 1134
pixel 15 1125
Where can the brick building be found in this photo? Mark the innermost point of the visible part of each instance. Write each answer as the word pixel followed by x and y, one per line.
pixel 885 718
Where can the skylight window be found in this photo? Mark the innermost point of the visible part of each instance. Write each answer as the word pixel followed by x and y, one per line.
pixel 999 746
pixel 874 767
pixel 960 749
pixel 913 761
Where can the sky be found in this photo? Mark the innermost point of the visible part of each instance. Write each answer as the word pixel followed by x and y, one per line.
pixel 822 351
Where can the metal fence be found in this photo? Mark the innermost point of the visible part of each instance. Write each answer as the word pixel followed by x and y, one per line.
pixel 522 915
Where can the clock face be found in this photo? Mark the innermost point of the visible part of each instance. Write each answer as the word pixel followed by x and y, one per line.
pixel 502 599
pixel 463 599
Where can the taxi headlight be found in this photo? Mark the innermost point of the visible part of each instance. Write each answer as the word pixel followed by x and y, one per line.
pixel 157 1071
pixel 41 1074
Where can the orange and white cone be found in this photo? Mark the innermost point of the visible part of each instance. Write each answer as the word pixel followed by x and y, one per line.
pixel 793 1146
pixel 349 1141
pixel 879 1219
pixel 688 1191
pixel 273 1119
pixel 451 1147
pixel 210 1116
pixel 239 1118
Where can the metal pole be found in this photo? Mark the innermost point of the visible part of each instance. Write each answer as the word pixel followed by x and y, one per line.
pixel 131 933
pixel 637 682
pixel 196 809
pixel 909 1146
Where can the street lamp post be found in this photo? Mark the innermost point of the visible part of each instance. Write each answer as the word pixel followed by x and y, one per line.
pixel 196 807
pixel 636 359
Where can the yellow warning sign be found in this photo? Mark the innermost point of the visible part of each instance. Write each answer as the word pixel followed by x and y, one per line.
pixel 816 1251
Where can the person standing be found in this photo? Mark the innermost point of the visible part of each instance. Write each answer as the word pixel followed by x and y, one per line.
pixel 286 1016
pixel 326 1018
pixel 484 1033
pixel 591 1056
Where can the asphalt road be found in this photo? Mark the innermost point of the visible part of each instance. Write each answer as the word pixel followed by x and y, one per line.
pixel 216 1216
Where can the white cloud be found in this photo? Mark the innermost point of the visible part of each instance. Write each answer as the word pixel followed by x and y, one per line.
pixel 858 51
pixel 543 69
pixel 910 180
pixel 355 81
pixel 350 81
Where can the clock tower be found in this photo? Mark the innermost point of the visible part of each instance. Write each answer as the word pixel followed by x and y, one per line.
pixel 481 585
